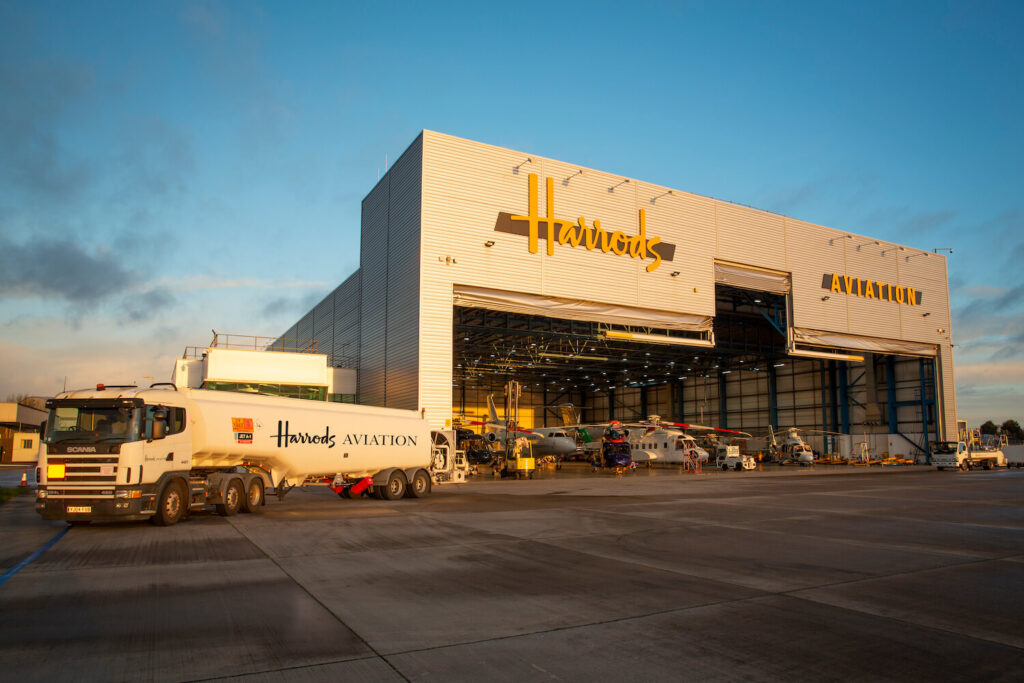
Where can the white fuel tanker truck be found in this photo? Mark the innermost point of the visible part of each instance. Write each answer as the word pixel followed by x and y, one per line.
pixel 114 453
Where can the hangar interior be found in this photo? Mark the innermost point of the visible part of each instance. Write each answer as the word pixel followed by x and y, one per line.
pixel 745 382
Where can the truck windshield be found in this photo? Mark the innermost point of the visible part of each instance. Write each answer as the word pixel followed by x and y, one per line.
pixel 945 447
pixel 92 424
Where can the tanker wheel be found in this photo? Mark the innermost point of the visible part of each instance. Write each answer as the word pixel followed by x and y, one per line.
pixel 395 488
pixel 170 507
pixel 419 487
pixel 345 492
pixel 232 499
pixel 739 467
pixel 253 500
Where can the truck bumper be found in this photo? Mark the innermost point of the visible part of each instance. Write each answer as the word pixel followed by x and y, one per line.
pixel 95 510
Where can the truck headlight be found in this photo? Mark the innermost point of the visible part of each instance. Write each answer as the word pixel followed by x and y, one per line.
pixel 40 493
pixel 129 493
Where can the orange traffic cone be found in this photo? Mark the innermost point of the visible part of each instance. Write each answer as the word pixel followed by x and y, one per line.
pixel 24 478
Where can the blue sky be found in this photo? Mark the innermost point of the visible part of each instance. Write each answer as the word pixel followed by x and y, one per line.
pixel 167 168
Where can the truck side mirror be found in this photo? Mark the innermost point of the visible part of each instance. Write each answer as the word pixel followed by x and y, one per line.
pixel 159 424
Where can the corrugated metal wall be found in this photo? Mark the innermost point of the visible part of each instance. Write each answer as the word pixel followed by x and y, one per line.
pixel 389 262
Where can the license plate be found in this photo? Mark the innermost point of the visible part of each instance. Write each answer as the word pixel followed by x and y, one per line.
pixel 79 508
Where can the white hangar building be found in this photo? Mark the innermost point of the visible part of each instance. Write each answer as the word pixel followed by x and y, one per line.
pixel 480 264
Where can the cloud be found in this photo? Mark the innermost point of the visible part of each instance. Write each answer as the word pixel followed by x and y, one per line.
pixel 294 307
pixel 928 221
pixel 46 268
pixel 155 159
pixel 148 305
pixel 37 97
pixel 788 201
pixel 204 282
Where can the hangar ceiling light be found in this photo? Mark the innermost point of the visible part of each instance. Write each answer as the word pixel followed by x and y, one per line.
pixel 656 338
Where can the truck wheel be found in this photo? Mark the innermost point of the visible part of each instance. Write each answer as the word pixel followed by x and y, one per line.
pixel 395 488
pixel 419 487
pixel 170 507
pixel 232 499
pixel 725 468
pixel 988 464
pixel 939 468
pixel 739 467
pixel 253 500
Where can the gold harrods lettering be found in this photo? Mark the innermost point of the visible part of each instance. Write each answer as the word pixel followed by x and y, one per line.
pixel 576 233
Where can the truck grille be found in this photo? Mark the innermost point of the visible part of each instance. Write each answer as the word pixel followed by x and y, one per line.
pixel 84 476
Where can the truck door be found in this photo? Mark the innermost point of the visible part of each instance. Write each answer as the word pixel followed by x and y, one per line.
pixel 167 440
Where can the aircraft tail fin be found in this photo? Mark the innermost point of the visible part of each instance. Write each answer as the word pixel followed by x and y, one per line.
pixel 491 410
pixel 569 416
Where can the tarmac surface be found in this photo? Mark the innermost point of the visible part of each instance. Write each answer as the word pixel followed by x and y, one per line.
pixel 838 573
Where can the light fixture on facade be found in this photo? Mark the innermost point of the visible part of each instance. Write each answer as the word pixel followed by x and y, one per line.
pixel 667 192
pixel 925 315
pixel 621 182
pixel 675 273
pixel 875 242
pixel 568 178
pixel 826 297
pixel 893 249
pixel 922 253
pixel 489 243
pixel 515 169
pixel 833 240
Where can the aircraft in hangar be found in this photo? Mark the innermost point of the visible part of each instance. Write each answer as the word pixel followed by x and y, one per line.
pixel 544 441
pixel 792 448
pixel 655 441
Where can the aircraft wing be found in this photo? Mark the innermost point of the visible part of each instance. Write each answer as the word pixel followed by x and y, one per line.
pixel 705 428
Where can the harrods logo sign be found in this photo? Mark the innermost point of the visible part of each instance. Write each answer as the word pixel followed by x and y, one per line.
pixel 871 289
pixel 578 233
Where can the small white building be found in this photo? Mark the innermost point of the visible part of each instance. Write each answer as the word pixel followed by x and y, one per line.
pixel 19 432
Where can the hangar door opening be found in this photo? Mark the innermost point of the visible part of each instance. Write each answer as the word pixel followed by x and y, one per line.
pixel 607 361
pixel 735 370
pixel 840 389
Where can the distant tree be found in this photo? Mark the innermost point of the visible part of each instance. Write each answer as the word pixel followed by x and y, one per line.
pixel 37 402
pixel 989 427
pixel 1013 431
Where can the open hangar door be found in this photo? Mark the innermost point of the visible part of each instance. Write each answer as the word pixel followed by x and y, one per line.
pixel 735 370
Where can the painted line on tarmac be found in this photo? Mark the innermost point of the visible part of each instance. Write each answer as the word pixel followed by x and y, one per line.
pixel 31 558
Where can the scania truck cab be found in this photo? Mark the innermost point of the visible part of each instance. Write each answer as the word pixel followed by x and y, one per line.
pixel 120 453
